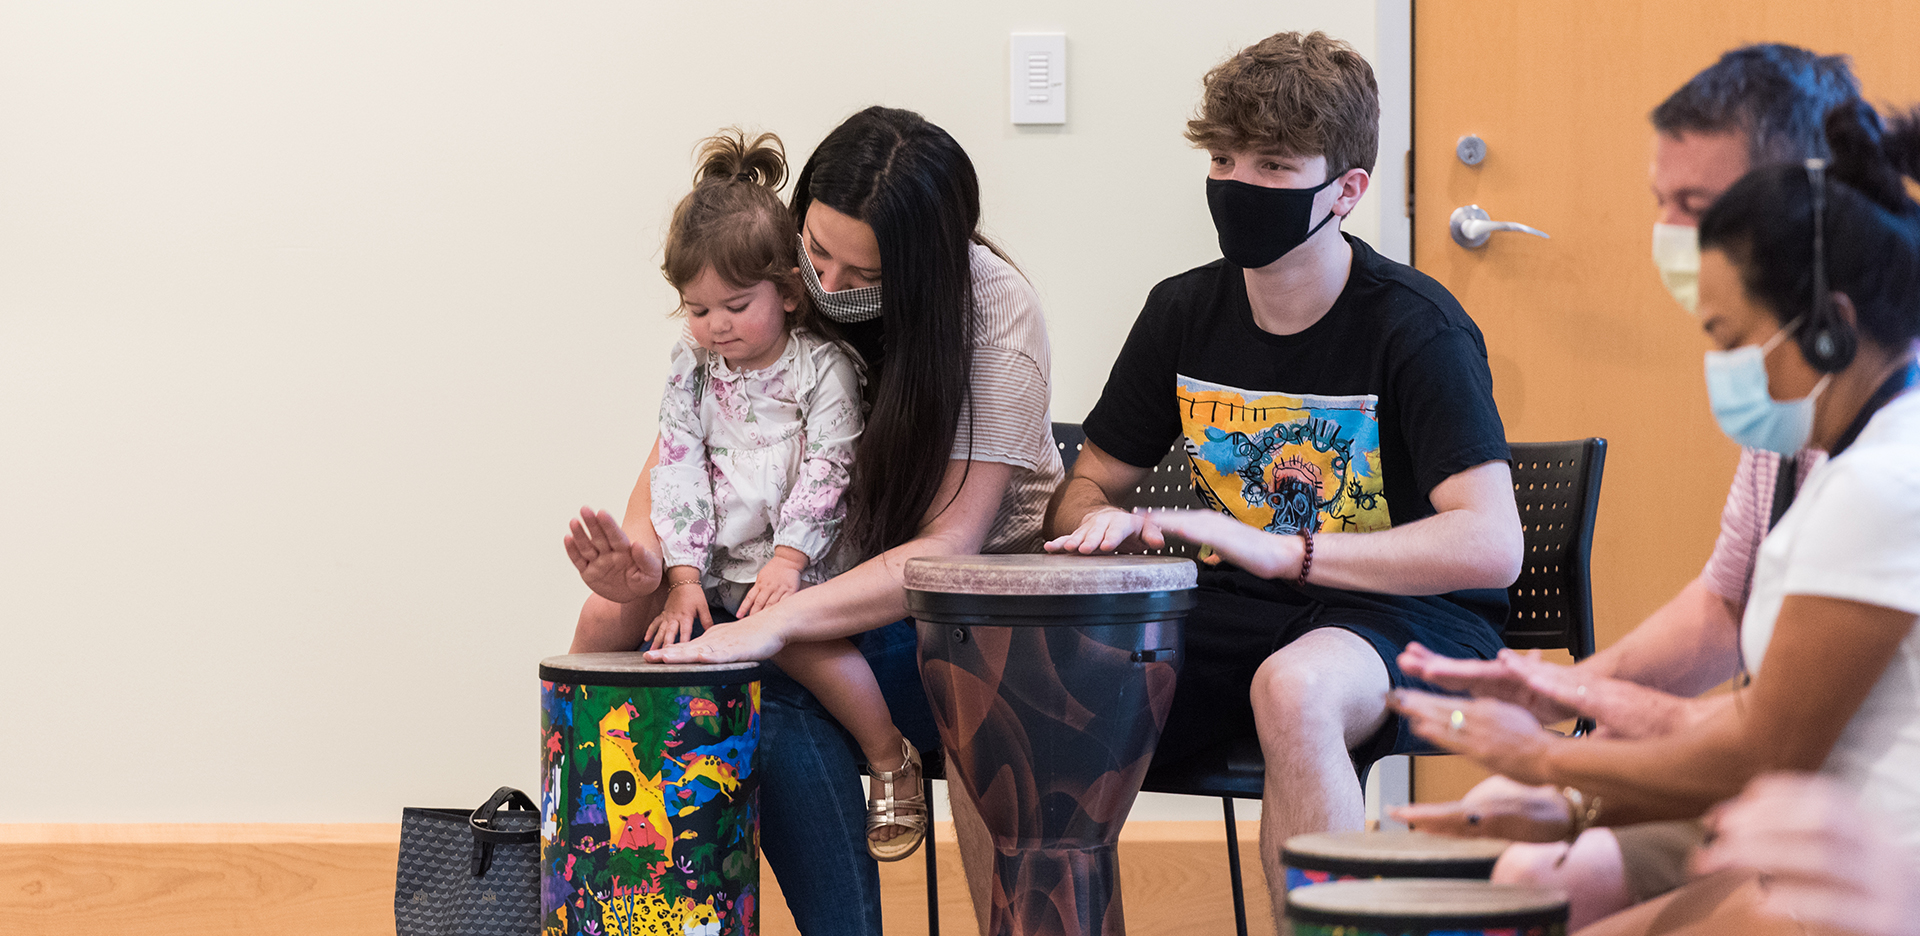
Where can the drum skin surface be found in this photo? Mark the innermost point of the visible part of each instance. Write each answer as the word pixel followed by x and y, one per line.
pixel 649 797
pixel 1426 907
pixel 1321 857
pixel 1051 720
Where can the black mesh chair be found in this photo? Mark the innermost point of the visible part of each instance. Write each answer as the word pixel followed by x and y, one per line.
pixel 1557 487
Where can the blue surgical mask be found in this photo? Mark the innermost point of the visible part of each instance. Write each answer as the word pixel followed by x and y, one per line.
pixel 1746 411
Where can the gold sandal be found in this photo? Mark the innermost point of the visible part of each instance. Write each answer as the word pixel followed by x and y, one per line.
pixel 908 812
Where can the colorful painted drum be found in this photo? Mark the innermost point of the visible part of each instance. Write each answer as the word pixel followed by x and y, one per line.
pixel 1426 907
pixel 1347 856
pixel 649 797
pixel 1050 678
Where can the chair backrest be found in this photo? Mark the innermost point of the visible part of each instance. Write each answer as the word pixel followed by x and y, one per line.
pixel 1167 484
pixel 1557 487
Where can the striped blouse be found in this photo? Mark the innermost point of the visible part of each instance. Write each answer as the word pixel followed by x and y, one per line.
pixel 1743 521
pixel 1009 415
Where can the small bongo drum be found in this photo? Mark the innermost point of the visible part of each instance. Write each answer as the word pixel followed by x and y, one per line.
pixel 649 796
pixel 1050 678
pixel 1423 906
pixel 1345 856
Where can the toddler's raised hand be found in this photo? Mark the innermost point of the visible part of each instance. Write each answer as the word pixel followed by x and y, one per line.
pixel 615 567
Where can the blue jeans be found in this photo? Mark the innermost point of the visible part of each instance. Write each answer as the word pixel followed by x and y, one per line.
pixel 813 801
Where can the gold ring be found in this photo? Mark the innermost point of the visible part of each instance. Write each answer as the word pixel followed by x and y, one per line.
pixel 1457 720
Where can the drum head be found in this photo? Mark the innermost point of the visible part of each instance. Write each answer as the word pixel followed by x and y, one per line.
pixel 632 669
pixel 1381 854
pixel 1400 905
pixel 1058 574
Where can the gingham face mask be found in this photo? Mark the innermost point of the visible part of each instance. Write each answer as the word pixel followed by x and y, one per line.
pixel 848 305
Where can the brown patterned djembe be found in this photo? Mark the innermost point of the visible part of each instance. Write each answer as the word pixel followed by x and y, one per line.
pixel 1050 678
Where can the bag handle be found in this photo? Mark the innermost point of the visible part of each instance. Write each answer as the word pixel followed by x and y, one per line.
pixel 485 836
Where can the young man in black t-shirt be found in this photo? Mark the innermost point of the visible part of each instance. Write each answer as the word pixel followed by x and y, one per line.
pixel 1338 415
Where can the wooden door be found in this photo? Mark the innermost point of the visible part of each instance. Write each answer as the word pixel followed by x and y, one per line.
pixel 1582 339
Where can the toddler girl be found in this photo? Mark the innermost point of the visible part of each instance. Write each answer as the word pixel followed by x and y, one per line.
pixel 757 430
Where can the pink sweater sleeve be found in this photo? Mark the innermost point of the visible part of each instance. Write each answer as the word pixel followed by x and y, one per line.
pixel 1743 521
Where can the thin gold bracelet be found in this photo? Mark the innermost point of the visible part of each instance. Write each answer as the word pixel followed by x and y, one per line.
pixel 1582 812
pixel 673 585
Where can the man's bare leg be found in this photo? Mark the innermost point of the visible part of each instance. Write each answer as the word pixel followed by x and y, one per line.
pixel 1313 700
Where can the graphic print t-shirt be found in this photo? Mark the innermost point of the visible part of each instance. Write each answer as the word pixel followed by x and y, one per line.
pixel 1347 425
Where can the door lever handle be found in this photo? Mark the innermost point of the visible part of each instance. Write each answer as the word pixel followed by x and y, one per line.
pixel 1471 228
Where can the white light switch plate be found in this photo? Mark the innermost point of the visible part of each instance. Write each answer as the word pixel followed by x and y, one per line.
pixel 1038 78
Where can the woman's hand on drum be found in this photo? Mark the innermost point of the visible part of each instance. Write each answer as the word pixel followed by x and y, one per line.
pixel 1820 858
pixel 1264 554
pixel 1109 529
pixel 685 604
pixel 615 567
pixel 1497 807
pixel 1503 737
pixel 738 641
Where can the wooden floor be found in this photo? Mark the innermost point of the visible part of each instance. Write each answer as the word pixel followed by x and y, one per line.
pixel 321 880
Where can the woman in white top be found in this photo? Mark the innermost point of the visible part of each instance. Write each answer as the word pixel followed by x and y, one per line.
pixel 957 458
pixel 1810 288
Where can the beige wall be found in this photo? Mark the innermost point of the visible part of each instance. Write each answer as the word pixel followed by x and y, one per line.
pixel 318 320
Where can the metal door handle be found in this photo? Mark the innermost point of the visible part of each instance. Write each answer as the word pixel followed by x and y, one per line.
pixel 1471 228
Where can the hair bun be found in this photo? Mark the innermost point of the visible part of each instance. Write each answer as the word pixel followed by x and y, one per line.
pixel 1868 158
pixel 728 156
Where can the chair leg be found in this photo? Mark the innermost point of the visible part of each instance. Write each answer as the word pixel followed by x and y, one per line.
pixel 933 865
pixel 1233 868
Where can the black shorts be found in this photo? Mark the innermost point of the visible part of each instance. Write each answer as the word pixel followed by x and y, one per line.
pixel 1242 619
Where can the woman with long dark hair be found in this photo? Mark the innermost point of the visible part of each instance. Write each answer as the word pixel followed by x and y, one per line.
pixel 957 458
pixel 1810 291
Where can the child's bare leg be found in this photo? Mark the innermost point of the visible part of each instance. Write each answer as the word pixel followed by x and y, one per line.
pixel 608 626
pixel 837 675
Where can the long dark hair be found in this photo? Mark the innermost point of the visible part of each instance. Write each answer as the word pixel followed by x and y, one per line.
pixel 1871 232
pixel 915 186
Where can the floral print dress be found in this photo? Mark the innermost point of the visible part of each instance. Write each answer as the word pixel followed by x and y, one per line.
pixel 753 459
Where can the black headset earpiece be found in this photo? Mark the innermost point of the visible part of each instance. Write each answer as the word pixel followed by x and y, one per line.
pixel 1827 342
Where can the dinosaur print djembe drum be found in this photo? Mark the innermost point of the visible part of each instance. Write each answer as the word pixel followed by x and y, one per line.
pixel 1050 678
pixel 1320 857
pixel 649 797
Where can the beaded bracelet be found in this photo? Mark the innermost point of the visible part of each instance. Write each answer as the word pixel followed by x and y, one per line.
pixel 1306 559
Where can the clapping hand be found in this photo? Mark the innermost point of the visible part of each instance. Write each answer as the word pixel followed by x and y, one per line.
pixel 1503 737
pixel 1820 857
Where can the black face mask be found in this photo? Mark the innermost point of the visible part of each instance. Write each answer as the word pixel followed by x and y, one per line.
pixel 1258 225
